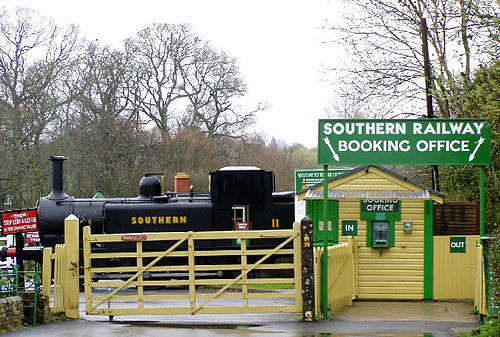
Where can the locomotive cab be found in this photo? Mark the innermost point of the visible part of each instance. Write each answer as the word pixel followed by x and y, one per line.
pixel 244 194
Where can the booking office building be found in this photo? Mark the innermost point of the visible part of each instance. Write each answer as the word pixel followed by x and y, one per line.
pixel 392 218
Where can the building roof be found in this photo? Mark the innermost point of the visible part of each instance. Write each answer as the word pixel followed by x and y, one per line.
pixel 421 191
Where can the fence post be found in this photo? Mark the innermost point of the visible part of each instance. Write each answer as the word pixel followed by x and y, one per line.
pixel 46 272
pixel 308 297
pixel 72 279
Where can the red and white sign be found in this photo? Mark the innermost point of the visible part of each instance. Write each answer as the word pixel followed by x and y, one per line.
pixel 242 225
pixel 19 221
pixel 134 237
pixel 32 238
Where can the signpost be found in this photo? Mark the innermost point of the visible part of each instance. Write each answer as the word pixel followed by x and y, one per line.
pixel 400 142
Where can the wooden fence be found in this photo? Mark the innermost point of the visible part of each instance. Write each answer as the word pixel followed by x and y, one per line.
pixel 60 274
pixel 342 274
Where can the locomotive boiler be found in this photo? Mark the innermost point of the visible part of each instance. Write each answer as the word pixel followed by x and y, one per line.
pixel 237 195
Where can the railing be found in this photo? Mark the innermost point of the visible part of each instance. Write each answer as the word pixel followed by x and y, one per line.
pixel 14 282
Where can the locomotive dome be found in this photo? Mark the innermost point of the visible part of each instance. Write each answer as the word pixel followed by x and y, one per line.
pixel 149 187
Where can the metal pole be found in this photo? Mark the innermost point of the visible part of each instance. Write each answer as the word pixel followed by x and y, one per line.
pixel 482 205
pixel 427 69
pixel 324 256
pixel 20 260
pixel 428 93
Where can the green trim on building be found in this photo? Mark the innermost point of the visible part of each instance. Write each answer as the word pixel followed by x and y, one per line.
pixel 428 250
pixel 369 234
pixel 392 233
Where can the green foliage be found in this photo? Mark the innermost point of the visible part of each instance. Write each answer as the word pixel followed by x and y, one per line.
pixel 478 98
pixel 494 257
pixel 490 329
pixel 481 97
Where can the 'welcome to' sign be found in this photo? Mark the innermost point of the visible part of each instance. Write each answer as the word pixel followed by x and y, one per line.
pixel 404 142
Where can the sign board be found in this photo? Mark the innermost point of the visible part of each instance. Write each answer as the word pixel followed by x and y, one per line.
pixel 32 238
pixel 404 142
pixel 310 177
pixel 349 227
pixel 379 206
pixel 242 225
pixel 458 245
pixel 134 237
pixel 19 221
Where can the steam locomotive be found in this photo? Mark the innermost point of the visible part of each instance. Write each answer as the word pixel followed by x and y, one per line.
pixel 237 194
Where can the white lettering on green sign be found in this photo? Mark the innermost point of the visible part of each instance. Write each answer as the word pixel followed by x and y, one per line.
pixel 404 142
pixel 380 205
pixel 458 245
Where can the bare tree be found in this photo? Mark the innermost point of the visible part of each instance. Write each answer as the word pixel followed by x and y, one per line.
pixel 102 126
pixel 386 65
pixel 217 86
pixel 181 81
pixel 35 57
pixel 157 54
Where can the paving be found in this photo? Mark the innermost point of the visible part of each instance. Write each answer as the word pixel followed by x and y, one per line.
pixel 363 318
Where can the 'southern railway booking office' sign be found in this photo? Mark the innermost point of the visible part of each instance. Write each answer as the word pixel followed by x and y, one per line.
pixel 404 142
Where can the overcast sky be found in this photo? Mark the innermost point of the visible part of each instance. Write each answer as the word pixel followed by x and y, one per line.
pixel 278 43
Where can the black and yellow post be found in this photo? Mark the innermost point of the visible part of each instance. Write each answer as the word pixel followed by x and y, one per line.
pixel 307 256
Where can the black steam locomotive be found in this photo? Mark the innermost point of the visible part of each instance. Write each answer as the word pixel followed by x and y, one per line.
pixel 237 194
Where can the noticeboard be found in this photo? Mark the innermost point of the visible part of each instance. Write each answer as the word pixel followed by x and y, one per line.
pixel 19 221
pixel 404 142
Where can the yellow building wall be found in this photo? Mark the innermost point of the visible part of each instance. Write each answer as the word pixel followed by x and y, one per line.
pixel 454 273
pixel 394 272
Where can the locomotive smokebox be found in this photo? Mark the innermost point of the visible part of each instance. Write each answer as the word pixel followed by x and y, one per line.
pixel 57 179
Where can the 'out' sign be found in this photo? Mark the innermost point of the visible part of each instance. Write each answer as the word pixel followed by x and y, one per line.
pixel 457 245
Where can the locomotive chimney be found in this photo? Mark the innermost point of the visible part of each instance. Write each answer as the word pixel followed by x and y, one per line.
pixel 182 182
pixel 57 178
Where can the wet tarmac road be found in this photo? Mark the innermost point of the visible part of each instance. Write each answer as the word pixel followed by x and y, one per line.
pixel 364 318
pixel 334 327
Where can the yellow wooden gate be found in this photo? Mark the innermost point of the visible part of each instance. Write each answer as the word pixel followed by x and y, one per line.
pixel 193 278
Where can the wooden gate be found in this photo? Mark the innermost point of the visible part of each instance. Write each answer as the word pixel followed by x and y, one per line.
pixel 193 278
